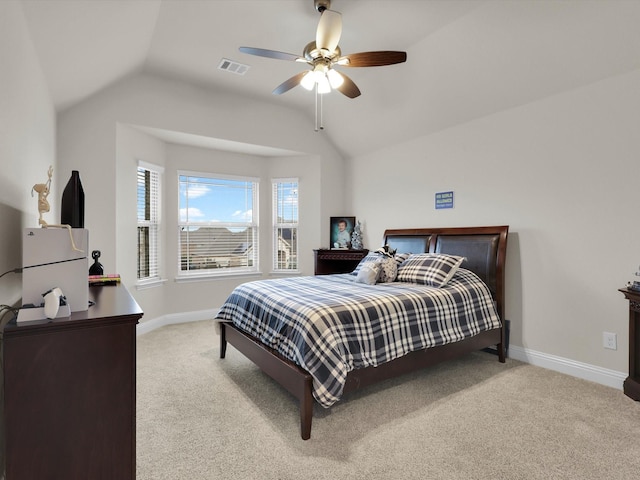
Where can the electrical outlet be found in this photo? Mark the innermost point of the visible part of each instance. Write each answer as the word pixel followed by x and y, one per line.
pixel 610 340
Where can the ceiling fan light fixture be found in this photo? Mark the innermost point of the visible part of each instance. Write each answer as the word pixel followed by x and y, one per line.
pixel 323 84
pixel 335 79
pixel 319 71
pixel 308 81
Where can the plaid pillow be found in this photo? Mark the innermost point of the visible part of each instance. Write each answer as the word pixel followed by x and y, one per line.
pixel 433 269
pixel 370 257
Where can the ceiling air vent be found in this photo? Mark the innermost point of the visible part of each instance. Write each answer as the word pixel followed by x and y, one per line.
pixel 233 67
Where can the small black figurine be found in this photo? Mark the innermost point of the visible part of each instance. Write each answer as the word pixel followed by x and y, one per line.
pixel 96 268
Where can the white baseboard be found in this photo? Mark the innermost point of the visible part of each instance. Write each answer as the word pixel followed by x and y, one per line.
pixel 173 318
pixel 585 371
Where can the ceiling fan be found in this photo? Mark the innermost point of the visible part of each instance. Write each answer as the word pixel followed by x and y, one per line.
pixel 324 54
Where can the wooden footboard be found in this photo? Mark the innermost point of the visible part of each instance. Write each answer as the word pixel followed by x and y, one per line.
pixel 299 382
pixel 294 379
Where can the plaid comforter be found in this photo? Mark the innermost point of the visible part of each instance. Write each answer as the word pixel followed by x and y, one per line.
pixel 330 325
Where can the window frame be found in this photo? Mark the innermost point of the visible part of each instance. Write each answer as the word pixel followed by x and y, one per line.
pixel 153 224
pixel 228 271
pixel 278 225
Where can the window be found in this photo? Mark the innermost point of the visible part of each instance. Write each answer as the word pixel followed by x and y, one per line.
pixel 285 224
pixel 218 224
pixel 148 208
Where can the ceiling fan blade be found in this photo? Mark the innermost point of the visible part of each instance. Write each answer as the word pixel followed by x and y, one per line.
pixel 262 52
pixel 348 88
pixel 329 30
pixel 289 84
pixel 373 59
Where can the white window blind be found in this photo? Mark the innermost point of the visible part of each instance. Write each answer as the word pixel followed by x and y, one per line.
pixel 148 213
pixel 218 224
pixel 285 224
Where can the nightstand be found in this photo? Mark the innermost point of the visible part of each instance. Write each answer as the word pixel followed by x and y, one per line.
pixel 632 383
pixel 328 261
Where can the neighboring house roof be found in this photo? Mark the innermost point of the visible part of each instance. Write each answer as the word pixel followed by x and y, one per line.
pixel 201 239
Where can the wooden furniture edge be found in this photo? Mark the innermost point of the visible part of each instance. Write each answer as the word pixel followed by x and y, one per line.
pixel 294 379
pixel 631 385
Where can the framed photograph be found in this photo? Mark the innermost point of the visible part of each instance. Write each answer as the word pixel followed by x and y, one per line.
pixel 340 230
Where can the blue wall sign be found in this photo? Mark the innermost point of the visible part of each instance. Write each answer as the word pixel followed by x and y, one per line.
pixel 444 200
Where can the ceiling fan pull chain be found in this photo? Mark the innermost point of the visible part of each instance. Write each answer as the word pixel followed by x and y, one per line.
pixel 316 116
pixel 321 119
pixel 318 110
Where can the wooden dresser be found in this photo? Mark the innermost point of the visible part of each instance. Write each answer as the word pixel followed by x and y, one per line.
pixel 632 383
pixel 70 392
pixel 337 261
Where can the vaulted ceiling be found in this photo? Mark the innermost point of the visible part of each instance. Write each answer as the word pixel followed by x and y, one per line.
pixel 466 58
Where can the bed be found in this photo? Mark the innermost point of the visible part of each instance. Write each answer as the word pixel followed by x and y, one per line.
pixel 265 320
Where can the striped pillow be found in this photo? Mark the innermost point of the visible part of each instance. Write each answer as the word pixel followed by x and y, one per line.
pixel 401 257
pixel 433 269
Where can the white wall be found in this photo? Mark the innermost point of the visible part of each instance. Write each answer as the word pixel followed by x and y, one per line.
pixel 27 149
pixel 563 174
pixel 27 143
pixel 96 138
pixel 133 145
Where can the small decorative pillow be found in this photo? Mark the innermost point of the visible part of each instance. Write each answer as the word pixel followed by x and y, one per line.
pixel 368 273
pixel 386 250
pixel 370 257
pixel 388 269
pixel 433 269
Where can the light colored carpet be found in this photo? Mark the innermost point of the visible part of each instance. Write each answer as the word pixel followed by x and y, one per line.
pixel 200 417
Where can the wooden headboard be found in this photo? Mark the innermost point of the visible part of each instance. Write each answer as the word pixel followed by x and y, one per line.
pixel 484 247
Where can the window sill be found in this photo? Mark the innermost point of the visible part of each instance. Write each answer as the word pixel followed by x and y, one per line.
pixel 285 273
pixel 205 277
pixel 156 282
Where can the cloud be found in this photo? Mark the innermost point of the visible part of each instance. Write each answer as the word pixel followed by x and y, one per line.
pixel 192 212
pixel 197 190
pixel 242 215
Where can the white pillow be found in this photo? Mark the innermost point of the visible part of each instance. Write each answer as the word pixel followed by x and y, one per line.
pixel 368 273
